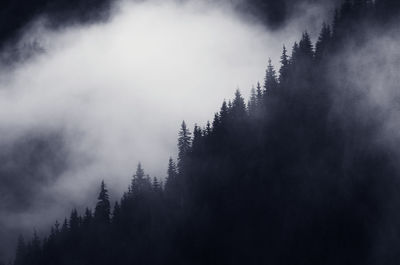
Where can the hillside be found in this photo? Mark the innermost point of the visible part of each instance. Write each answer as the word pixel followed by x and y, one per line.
pixel 299 174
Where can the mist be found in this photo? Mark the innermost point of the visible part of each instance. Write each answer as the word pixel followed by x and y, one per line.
pixel 369 83
pixel 113 94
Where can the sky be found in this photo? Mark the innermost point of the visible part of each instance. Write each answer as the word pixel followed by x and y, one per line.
pixel 109 95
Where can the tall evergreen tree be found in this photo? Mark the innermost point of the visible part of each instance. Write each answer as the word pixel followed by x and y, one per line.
pixel 216 122
pixel 306 46
pixel 259 94
pixel 197 137
pixel 74 221
pixel 252 105
pixel 208 130
pixel 87 218
pixel 116 216
pixel 64 227
pixel 295 53
pixel 324 39
pixel 140 182
pixel 171 175
pixel 284 70
pixel 223 113
pixel 238 108
pixel 184 144
pixel 270 81
pixel 103 209
pixel 156 185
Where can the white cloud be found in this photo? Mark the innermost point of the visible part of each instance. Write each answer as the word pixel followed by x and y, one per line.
pixel 119 90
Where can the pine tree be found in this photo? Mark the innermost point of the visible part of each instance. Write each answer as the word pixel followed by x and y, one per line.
pixel 56 227
pixel 140 182
pixel 238 108
pixel 74 221
pixel 223 113
pixel 270 82
pixel 295 53
pixel 284 70
pixel 156 185
pixel 306 46
pixel 170 182
pixel 252 105
pixel 207 131
pixel 87 218
pixel 323 42
pixel 229 106
pixel 171 173
pixel 116 216
pixel 102 210
pixel 184 144
pixel 197 134
pixel 216 122
pixel 64 227
pixel 259 94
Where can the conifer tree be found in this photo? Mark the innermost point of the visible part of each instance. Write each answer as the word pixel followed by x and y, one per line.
pixel 140 182
pixel 295 53
pixel 216 122
pixel 87 218
pixel 184 144
pixel 74 221
pixel 259 94
pixel 284 70
pixel 197 138
pixel 207 131
pixel 270 82
pixel 116 216
pixel 171 175
pixel 64 227
pixel 306 46
pixel 252 105
pixel 238 108
pixel 156 185
pixel 323 42
pixel 102 210
pixel 223 113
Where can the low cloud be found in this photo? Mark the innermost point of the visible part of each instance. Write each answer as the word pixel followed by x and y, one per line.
pixel 114 93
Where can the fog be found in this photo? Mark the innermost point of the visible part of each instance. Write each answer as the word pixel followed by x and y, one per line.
pixel 116 92
pixel 366 79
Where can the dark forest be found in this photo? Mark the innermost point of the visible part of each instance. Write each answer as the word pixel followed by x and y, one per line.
pixel 287 176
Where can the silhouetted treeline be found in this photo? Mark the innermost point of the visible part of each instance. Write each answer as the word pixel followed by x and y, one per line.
pixel 286 178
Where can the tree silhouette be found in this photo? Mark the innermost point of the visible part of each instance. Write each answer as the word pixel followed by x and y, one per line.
pixel 284 70
pixel 184 143
pixel 103 209
pixel 270 81
pixel 324 39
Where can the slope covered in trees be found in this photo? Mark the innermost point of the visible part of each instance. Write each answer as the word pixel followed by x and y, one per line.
pixel 287 178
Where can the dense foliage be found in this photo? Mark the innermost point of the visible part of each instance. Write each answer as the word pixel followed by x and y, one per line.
pixel 283 179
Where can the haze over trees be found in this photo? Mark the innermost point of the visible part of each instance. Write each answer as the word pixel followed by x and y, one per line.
pixel 287 178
